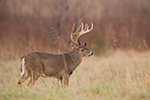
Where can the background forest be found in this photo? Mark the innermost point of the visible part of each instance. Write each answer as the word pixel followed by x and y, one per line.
pixel 25 25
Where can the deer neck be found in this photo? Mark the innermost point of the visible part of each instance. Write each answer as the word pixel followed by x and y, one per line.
pixel 75 58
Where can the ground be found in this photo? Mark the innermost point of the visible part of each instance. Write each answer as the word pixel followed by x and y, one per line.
pixel 116 76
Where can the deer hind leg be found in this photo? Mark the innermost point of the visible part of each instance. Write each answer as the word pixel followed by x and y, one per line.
pixel 34 77
pixel 22 79
pixel 24 75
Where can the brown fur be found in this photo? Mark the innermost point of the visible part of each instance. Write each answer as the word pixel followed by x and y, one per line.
pixel 60 66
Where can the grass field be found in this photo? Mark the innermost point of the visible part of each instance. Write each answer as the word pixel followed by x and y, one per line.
pixel 119 76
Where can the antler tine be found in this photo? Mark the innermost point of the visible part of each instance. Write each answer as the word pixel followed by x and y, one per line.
pixel 82 27
pixel 86 27
pixel 91 26
pixel 75 33
pixel 73 28
pixel 72 35
pixel 85 30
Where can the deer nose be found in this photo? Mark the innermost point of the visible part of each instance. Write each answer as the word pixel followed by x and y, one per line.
pixel 91 53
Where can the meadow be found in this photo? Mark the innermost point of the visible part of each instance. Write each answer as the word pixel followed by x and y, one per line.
pixel 118 76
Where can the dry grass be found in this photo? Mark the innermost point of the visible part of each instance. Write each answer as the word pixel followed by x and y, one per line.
pixel 119 76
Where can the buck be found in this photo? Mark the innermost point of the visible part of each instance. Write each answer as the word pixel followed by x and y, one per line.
pixel 61 66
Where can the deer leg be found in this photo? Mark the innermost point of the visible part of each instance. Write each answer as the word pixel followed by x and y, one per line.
pixel 33 79
pixel 60 82
pixel 66 80
pixel 22 79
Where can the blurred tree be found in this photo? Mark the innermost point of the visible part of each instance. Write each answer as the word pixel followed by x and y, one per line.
pixel 98 46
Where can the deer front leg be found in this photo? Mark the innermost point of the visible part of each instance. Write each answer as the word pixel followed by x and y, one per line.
pixel 66 80
pixel 60 82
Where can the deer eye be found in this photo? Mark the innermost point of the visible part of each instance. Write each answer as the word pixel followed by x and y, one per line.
pixel 83 49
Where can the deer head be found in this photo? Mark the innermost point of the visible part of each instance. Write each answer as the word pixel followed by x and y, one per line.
pixel 75 39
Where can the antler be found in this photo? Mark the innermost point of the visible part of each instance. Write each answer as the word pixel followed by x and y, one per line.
pixel 76 35
pixel 73 35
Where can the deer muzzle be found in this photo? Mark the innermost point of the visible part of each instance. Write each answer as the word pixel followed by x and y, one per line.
pixel 91 53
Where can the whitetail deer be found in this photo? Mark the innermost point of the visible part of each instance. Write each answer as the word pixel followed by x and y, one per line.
pixel 61 66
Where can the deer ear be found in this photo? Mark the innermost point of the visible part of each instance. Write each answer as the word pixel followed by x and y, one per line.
pixel 84 44
pixel 71 45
